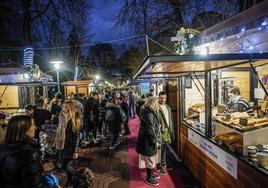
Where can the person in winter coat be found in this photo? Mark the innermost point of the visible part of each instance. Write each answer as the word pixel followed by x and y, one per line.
pixel 114 118
pixel 20 164
pixel 124 107
pixel 167 131
pixel 67 137
pixel 55 107
pixel 148 142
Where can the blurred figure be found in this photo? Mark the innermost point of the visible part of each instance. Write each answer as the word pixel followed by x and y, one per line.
pixel 124 106
pixel 20 164
pixel 55 107
pixel 94 116
pixel 149 140
pixel 132 103
pixel 140 103
pixel 114 118
pixel 3 125
pixel 67 137
pixel 40 117
pixel 102 113
pixel 46 104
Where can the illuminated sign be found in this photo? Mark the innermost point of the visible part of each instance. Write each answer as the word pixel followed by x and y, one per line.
pixel 28 57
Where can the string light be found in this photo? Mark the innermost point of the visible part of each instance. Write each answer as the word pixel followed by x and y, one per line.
pixel 245 43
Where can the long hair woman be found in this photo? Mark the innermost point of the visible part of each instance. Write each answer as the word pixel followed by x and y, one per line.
pixel 67 137
pixel 20 164
pixel 148 142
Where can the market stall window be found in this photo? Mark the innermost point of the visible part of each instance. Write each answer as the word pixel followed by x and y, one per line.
pixel 194 101
pixel 239 119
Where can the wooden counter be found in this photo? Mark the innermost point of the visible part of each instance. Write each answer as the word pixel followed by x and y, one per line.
pixel 211 175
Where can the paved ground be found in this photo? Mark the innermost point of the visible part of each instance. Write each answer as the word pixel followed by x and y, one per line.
pixel 111 168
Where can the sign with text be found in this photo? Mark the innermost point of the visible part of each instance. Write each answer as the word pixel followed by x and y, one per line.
pixel 219 156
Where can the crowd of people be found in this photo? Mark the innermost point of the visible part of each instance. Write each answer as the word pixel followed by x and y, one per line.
pixel 79 121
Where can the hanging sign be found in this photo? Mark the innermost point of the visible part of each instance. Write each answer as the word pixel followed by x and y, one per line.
pixel 219 156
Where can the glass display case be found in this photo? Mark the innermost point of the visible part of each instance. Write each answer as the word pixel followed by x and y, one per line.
pixel 240 121
pixel 239 109
pixel 194 101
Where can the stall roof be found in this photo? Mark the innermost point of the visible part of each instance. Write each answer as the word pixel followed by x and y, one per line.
pixel 35 83
pixel 179 65
pixel 77 83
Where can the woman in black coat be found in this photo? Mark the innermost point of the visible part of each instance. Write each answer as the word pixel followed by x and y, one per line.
pixel 20 164
pixel 149 139
pixel 67 137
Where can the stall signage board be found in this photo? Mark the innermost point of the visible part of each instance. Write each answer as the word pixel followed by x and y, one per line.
pixel 219 156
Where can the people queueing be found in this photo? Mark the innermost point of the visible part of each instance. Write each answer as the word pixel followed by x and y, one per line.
pixel 114 118
pixel 67 138
pixel 55 107
pixel 149 139
pixel 3 125
pixel 167 131
pixel 20 162
pixel 40 117
pixel 125 108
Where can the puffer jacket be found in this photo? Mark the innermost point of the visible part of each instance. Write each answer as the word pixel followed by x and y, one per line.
pixel 20 165
pixel 149 133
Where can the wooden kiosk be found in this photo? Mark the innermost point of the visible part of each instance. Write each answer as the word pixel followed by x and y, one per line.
pixel 201 84
pixel 17 88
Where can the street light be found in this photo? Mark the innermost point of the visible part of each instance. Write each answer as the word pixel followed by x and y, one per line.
pixel 57 67
pixel 97 77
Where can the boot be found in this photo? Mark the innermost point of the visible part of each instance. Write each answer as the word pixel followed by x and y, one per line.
pixel 150 180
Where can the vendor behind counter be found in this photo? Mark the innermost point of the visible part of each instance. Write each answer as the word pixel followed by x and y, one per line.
pixel 236 103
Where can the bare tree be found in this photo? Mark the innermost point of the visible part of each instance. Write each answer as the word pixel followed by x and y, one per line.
pixel 57 15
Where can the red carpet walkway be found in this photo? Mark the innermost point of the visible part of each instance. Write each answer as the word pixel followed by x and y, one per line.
pixel 136 175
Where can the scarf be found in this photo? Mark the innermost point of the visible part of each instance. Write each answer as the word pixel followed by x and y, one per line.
pixel 59 140
pixel 235 99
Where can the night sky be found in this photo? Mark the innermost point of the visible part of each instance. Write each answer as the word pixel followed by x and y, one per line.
pixel 103 19
pixel 103 16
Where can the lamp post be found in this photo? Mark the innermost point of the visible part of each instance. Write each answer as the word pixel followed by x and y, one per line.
pixel 57 66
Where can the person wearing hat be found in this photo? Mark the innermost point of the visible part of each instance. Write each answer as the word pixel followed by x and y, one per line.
pixel 3 126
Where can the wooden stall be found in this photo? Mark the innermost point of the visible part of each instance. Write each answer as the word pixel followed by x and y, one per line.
pixel 21 86
pixel 82 87
pixel 213 162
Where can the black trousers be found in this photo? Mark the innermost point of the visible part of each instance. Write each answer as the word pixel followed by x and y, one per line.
pixel 96 125
pixel 164 154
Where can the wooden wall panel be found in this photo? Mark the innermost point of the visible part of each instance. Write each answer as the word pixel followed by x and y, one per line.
pixel 210 175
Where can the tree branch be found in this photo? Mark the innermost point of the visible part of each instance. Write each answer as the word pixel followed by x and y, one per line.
pixel 40 13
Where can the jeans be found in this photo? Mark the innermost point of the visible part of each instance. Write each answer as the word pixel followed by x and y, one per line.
pixel 115 138
pixel 85 129
pixel 164 154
